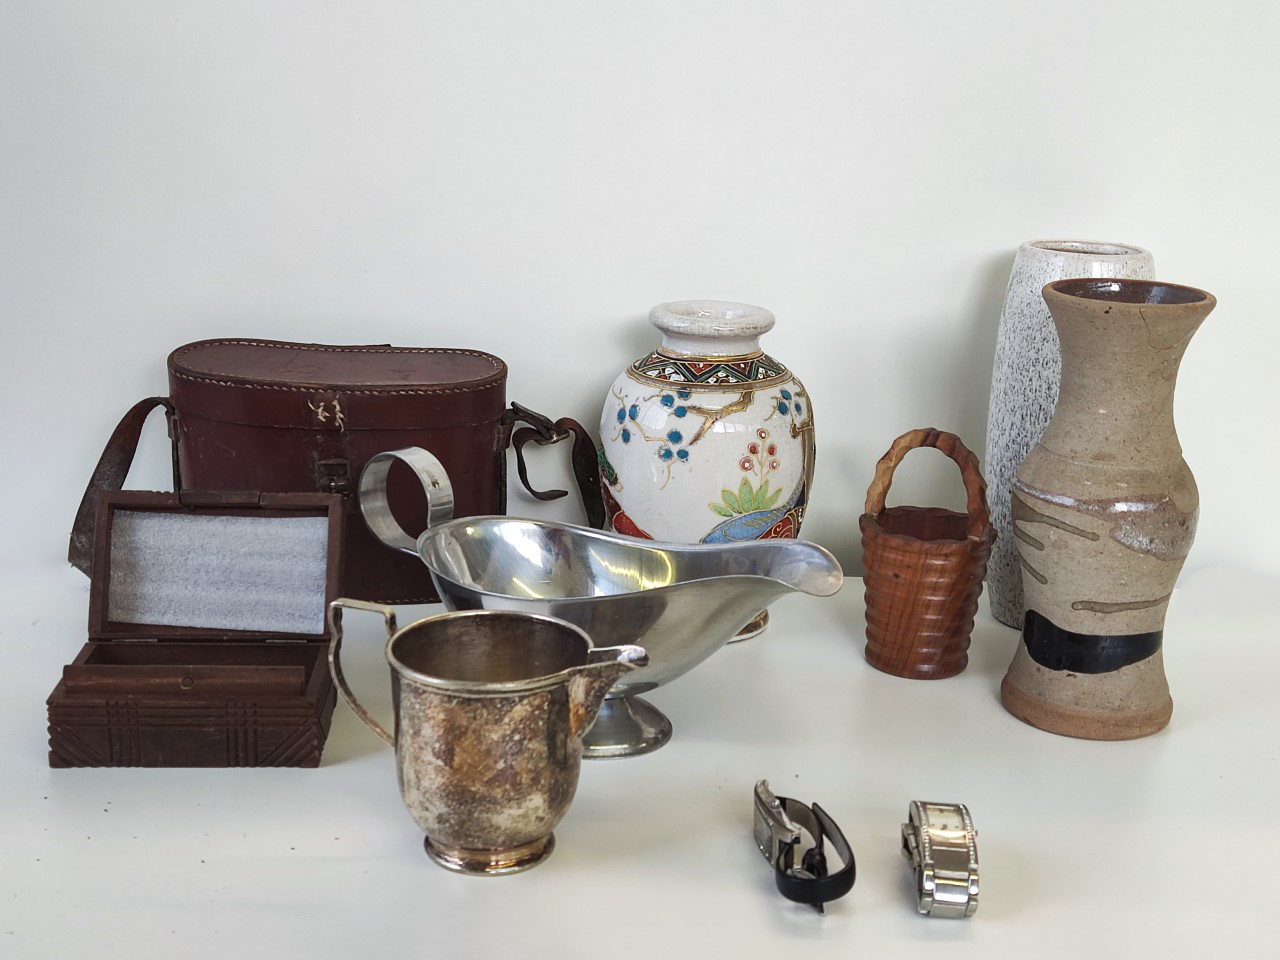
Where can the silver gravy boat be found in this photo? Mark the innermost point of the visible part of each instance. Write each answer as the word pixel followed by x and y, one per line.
pixel 681 602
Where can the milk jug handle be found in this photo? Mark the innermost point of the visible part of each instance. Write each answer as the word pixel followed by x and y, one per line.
pixel 373 496
pixel 335 662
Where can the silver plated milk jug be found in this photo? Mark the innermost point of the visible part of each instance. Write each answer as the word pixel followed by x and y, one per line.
pixel 490 710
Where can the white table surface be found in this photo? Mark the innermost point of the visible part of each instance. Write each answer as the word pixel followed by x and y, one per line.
pixel 1163 847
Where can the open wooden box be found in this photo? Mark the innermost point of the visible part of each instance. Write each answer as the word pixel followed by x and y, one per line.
pixel 207 643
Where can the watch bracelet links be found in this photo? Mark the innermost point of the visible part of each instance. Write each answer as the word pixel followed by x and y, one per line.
pixel 949 888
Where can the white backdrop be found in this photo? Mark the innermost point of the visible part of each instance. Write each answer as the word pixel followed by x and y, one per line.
pixel 528 178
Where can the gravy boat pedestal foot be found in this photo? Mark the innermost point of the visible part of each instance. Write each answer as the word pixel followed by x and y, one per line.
pixel 626 726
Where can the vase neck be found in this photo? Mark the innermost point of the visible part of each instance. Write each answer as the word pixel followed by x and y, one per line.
pixel 1119 369
pixel 710 328
pixel 681 346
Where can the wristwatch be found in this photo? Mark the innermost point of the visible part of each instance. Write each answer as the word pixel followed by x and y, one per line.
pixel 940 842
pixel 778 825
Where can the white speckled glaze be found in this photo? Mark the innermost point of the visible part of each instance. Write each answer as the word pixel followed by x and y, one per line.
pixel 1024 383
pixel 707 439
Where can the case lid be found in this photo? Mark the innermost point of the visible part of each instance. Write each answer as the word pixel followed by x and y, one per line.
pixel 316 385
pixel 214 566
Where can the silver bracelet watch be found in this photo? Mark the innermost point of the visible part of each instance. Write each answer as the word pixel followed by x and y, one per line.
pixel 941 843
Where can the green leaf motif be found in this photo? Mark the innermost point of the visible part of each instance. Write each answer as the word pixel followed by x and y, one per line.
pixel 761 497
pixel 746 500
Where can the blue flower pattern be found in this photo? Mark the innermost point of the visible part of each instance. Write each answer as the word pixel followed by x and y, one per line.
pixel 671 448
pixel 785 403
pixel 671 442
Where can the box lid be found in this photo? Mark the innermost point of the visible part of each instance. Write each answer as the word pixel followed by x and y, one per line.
pixel 214 566
pixel 314 385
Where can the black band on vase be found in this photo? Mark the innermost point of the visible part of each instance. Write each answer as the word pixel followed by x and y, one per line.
pixel 1057 649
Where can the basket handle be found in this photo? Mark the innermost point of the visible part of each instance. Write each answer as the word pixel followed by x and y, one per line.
pixel 947 443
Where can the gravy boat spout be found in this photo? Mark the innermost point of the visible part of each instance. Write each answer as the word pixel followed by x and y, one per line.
pixel 795 566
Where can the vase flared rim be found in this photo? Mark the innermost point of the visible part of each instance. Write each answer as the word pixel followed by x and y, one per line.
pixel 711 318
pixel 1146 293
pixel 1094 249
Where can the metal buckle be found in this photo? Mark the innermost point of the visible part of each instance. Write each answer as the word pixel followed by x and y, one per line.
pixel 774 829
pixel 544 430
pixel 941 843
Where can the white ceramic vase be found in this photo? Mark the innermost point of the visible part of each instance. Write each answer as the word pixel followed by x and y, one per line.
pixel 1024 384
pixel 707 438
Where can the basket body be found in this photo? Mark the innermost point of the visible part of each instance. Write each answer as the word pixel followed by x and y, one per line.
pixel 923 579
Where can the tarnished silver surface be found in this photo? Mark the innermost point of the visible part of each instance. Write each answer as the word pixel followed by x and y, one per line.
pixel 681 602
pixel 941 843
pixel 490 709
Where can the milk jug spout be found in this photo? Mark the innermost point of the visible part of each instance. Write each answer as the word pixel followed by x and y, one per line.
pixel 590 682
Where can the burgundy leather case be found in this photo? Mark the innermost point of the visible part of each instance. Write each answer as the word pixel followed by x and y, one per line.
pixel 155 695
pixel 270 416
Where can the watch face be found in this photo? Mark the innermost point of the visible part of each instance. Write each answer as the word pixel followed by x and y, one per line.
pixel 946 823
pixel 946 819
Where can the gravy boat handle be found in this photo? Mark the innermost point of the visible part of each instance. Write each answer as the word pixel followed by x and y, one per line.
pixel 335 662
pixel 372 496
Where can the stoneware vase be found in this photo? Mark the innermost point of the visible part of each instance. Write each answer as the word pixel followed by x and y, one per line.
pixel 1104 512
pixel 1024 383
pixel 707 439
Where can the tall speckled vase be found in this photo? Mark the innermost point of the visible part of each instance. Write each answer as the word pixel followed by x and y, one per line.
pixel 1024 383
pixel 707 439
pixel 1104 512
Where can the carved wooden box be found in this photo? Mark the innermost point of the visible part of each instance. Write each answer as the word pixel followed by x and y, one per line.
pixel 207 644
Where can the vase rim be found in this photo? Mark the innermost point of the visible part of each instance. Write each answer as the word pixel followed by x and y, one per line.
pixel 1146 293
pixel 711 318
pixel 1098 249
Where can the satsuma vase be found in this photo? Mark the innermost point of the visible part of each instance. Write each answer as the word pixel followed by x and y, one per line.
pixel 707 438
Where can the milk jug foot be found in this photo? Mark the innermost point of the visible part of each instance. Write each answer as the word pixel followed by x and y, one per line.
pixel 492 863
pixel 626 727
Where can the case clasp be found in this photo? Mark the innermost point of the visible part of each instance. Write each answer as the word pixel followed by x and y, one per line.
pixel 334 476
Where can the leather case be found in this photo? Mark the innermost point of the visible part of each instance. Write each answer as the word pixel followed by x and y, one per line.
pixel 207 643
pixel 273 417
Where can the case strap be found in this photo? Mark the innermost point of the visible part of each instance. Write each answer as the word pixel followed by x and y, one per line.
pixel 583 458
pixel 110 473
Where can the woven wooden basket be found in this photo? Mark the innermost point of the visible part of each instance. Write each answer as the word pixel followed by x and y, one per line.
pixel 924 568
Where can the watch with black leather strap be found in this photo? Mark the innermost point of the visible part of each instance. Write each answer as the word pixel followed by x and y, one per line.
pixel 780 825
